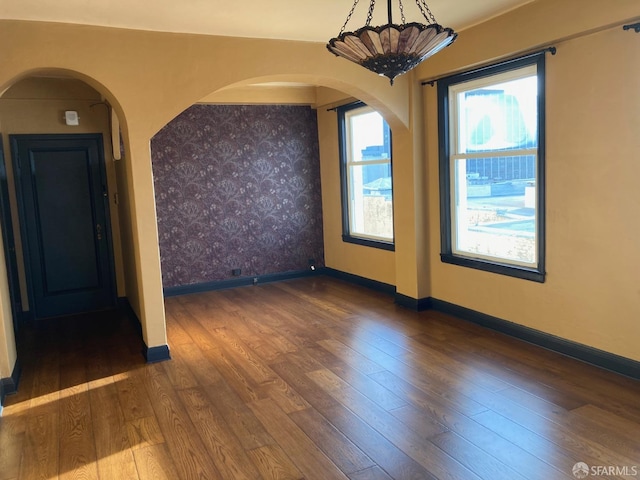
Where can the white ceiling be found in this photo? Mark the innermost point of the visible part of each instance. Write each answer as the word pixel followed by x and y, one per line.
pixel 283 19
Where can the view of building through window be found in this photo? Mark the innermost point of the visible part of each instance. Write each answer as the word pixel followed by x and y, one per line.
pixel 493 168
pixel 368 172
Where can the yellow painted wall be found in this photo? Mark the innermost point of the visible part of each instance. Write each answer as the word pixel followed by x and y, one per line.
pixel 8 351
pixel 592 291
pixel 281 94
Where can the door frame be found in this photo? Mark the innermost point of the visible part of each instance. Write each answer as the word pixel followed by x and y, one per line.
pixel 9 243
pixel 27 261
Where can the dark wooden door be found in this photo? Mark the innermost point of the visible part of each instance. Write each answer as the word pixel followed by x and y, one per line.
pixel 64 220
pixel 9 245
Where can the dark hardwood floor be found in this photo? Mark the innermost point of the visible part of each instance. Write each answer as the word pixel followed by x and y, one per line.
pixel 310 379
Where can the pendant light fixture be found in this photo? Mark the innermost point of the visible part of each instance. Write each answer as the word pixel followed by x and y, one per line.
pixel 392 49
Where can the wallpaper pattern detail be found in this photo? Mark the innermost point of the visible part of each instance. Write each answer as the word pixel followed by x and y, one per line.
pixel 237 187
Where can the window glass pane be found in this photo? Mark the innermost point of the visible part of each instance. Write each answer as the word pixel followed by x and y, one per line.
pixel 369 136
pixel 371 200
pixel 494 212
pixel 502 116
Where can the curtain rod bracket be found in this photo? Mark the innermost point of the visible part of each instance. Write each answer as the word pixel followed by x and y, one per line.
pixel 632 26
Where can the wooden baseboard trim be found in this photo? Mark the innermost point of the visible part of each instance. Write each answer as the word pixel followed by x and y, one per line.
pixel 153 354
pixel 238 282
pixel 9 385
pixel 362 281
pixel 416 304
pixel 615 363
pixel 156 354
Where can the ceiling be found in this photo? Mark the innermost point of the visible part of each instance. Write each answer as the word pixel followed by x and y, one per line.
pixel 304 20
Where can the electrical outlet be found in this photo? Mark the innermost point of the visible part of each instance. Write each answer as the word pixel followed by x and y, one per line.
pixel 255 280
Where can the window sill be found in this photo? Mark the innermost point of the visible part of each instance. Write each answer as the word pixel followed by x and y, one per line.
pixel 365 242
pixel 499 268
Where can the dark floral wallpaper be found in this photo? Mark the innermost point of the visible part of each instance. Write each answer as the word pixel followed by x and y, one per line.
pixel 237 187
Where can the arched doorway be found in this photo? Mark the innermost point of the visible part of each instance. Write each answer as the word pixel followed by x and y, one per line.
pixel 61 187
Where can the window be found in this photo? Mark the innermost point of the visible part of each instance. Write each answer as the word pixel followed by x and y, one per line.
pixel 492 168
pixel 367 187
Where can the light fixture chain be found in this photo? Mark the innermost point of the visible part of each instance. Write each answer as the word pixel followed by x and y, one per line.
pixel 426 12
pixel 355 4
pixel 404 20
pixel 370 14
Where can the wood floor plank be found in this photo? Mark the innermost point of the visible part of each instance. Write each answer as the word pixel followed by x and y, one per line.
pixel 623 442
pixel 201 368
pixel 474 458
pixel 77 445
pixel 561 435
pixel 307 456
pixel 144 432
pixel 320 357
pixel 234 375
pixel 371 389
pixel 558 396
pixel 433 398
pixel 238 416
pixel 41 454
pixel 617 428
pixel 264 341
pixel 334 444
pixel 351 327
pixel 442 362
pixel 295 375
pixel 285 396
pixel 132 396
pixel 623 401
pixel 242 356
pixel 541 406
pixel 114 456
pixel 11 444
pixel 421 451
pixel 274 464
pixel 554 455
pixel 189 454
pixel 392 459
pixel 222 444
pixel 373 473
pixel 350 356
pixel 178 371
pixel 153 462
pixel 193 326
pixel 419 421
pixel 175 331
